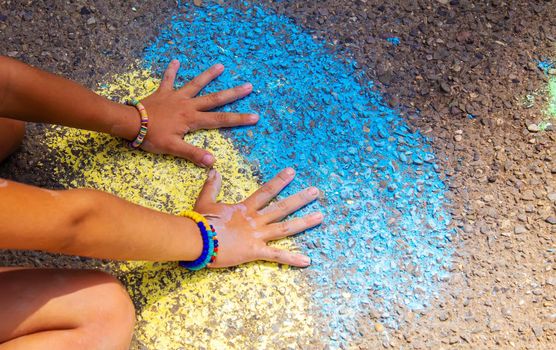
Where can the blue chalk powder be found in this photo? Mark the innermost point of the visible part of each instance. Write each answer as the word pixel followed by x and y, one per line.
pixel 545 65
pixel 393 40
pixel 386 241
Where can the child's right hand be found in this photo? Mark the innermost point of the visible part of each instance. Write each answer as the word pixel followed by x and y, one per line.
pixel 245 228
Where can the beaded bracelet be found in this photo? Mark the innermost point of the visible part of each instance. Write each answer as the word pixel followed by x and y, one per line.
pixel 144 123
pixel 210 242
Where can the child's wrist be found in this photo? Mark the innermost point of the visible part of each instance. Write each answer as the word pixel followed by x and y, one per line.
pixel 126 121
pixel 193 243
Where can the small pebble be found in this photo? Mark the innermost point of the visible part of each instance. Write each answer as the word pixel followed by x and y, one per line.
pixel 533 128
pixel 538 330
pixel 445 87
pixel 85 11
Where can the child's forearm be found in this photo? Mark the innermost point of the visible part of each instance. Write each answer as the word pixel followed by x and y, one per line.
pixel 92 223
pixel 29 94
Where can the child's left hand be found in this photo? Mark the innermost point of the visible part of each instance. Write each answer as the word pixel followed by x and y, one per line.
pixel 173 113
pixel 245 228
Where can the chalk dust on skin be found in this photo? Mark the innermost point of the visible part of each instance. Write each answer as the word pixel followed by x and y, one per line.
pixel 252 306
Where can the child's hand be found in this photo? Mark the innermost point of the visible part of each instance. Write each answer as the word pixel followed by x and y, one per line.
pixel 173 113
pixel 244 229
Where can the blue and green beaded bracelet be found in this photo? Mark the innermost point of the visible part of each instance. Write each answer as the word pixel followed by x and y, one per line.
pixel 210 242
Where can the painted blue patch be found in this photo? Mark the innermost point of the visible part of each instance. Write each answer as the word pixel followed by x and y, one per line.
pixel 386 241
pixel 393 40
pixel 470 116
pixel 545 65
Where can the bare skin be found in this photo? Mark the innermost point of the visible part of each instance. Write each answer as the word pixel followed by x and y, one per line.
pixel 11 134
pixel 63 309
pixel 253 223
pixel 32 95
pixel 38 306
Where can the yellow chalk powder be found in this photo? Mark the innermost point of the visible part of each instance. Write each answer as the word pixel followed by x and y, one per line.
pixel 255 306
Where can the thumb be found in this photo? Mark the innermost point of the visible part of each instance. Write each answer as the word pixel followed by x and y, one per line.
pixel 210 189
pixel 194 154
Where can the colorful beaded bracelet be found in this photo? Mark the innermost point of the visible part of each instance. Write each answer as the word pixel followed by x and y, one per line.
pixel 210 242
pixel 144 123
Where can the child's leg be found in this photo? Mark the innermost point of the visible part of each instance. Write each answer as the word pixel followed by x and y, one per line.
pixel 11 134
pixel 63 309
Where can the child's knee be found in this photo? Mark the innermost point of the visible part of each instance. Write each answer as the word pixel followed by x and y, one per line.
pixel 117 301
pixel 11 135
pixel 112 313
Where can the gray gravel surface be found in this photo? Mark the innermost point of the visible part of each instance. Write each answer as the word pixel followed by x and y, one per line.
pixel 457 58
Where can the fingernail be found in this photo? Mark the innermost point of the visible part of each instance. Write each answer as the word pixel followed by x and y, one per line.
pixel 317 216
pixel 313 191
pixel 253 118
pixel 290 171
pixel 247 86
pixel 211 174
pixel 305 260
pixel 218 67
pixel 174 62
pixel 207 160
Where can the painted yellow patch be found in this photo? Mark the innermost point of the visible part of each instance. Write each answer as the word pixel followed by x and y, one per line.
pixel 255 306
